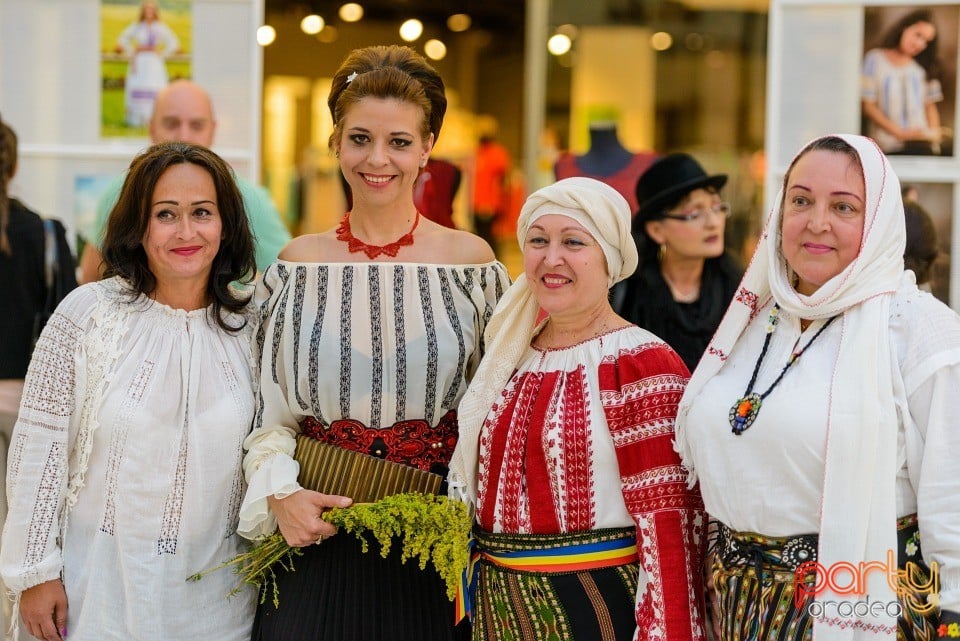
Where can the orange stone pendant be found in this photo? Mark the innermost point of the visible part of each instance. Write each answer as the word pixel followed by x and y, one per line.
pixel 744 412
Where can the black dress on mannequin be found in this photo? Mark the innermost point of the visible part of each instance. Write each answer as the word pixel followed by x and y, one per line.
pixel 608 161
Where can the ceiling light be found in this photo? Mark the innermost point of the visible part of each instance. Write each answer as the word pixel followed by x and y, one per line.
pixel 312 24
pixel 435 49
pixel 559 44
pixel 266 35
pixel 411 29
pixel 661 41
pixel 351 12
pixel 459 22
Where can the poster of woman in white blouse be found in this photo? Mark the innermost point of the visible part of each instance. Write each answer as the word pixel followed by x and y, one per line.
pixel 908 78
pixel 145 45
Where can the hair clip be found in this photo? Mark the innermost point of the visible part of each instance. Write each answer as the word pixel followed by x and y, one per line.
pixel 351 77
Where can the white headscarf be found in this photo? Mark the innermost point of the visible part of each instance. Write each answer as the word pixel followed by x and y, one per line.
pixel 858 505
pixel 605 214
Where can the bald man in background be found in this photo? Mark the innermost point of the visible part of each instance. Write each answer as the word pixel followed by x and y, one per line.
pixel 183 112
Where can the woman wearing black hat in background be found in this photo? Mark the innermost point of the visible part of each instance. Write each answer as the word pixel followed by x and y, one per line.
pixel 685 280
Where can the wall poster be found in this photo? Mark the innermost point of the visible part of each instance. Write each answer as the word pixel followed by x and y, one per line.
pixel 144 45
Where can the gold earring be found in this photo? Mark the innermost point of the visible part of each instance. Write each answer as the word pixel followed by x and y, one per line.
pixel 662 252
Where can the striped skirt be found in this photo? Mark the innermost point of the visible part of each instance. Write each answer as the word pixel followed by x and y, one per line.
pixel 558 587
pixel 753 576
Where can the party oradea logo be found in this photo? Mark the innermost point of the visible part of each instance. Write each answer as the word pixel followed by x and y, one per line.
pixel 917 590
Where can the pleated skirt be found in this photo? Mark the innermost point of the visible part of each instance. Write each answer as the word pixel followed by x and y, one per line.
pixel 337 592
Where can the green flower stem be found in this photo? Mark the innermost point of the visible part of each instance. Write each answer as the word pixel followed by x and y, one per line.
pixel 432 528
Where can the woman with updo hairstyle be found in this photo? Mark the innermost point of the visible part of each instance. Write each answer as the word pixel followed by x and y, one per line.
pixel 367 337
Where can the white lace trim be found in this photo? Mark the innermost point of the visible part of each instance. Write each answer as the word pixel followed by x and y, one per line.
pixel 102 345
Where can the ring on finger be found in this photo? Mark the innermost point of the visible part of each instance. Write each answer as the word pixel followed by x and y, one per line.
pixel 320 540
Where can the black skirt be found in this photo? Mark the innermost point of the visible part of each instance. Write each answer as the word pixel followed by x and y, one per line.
pixel 337 592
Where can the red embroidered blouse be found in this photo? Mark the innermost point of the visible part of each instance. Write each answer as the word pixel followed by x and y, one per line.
pixel 582 438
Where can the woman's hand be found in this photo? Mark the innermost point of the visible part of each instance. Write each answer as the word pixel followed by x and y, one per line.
pixel 44 610
pixel 299 516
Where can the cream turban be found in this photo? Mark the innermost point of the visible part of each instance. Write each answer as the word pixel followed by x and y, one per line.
pixel 599 208
pixel 606 216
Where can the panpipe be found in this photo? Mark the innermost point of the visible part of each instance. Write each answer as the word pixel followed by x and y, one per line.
pixel 330 469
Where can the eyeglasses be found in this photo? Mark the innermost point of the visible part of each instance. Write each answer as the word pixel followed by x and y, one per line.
pixel 722 208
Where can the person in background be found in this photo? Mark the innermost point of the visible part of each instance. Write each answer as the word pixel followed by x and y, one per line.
pixel 134 412
pixel 566 445
pixel 490 197
pixel 921 250
pixel 910 192
pixel 147 43
pixel 368 335
pixel 28 294
pixel 821 421
pixel 183 112
pixel 685 280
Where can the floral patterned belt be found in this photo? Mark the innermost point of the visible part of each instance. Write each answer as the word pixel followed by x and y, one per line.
pixel 413 442
pixel 777 558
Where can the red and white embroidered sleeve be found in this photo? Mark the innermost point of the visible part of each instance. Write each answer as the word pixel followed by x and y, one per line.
pixel 640 389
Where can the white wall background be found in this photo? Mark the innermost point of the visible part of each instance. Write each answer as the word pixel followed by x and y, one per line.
pixel 50 93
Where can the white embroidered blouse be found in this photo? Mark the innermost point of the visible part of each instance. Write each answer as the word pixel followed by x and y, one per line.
pixel 124 470
pixel 770 478
pixel 371 344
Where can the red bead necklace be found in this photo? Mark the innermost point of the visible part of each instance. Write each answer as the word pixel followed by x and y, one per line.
pixel 354 244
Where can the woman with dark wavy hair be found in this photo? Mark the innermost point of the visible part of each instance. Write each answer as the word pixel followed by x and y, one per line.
pixel 134 411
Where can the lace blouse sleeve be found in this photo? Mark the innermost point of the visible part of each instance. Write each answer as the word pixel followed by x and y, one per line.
pixel 268 465
pixel 38 468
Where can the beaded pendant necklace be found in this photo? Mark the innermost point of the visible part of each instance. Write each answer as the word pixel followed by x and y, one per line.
pixel 744 411
pixel 354 244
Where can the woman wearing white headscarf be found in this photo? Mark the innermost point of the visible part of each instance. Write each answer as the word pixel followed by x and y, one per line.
pixel 821 422
pixel 585 526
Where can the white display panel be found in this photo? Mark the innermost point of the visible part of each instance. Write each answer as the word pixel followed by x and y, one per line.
pixel 50 93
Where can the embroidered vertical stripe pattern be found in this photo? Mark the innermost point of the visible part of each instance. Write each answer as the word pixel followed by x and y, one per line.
pixel 376 340
pixel 400 342
pixel 313 374
pixel 367 342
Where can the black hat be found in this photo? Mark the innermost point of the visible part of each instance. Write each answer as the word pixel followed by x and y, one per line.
pixel 667 180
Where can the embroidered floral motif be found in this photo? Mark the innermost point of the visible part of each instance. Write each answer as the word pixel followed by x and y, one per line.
pixel 412 442
pixel 750 299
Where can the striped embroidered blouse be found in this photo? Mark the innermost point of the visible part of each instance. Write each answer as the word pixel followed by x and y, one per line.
pixel 359 348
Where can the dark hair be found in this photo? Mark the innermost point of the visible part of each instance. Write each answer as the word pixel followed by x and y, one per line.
pixel 921 249
pixel 123 251
pixel 388 72
pixel 8 164
pixel 827 143
pixel 926 58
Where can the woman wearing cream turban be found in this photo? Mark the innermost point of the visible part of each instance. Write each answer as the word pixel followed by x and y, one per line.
pixel 566 445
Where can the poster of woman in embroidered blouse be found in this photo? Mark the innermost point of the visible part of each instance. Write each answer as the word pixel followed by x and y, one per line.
pixel 144 45
pixel 908 78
